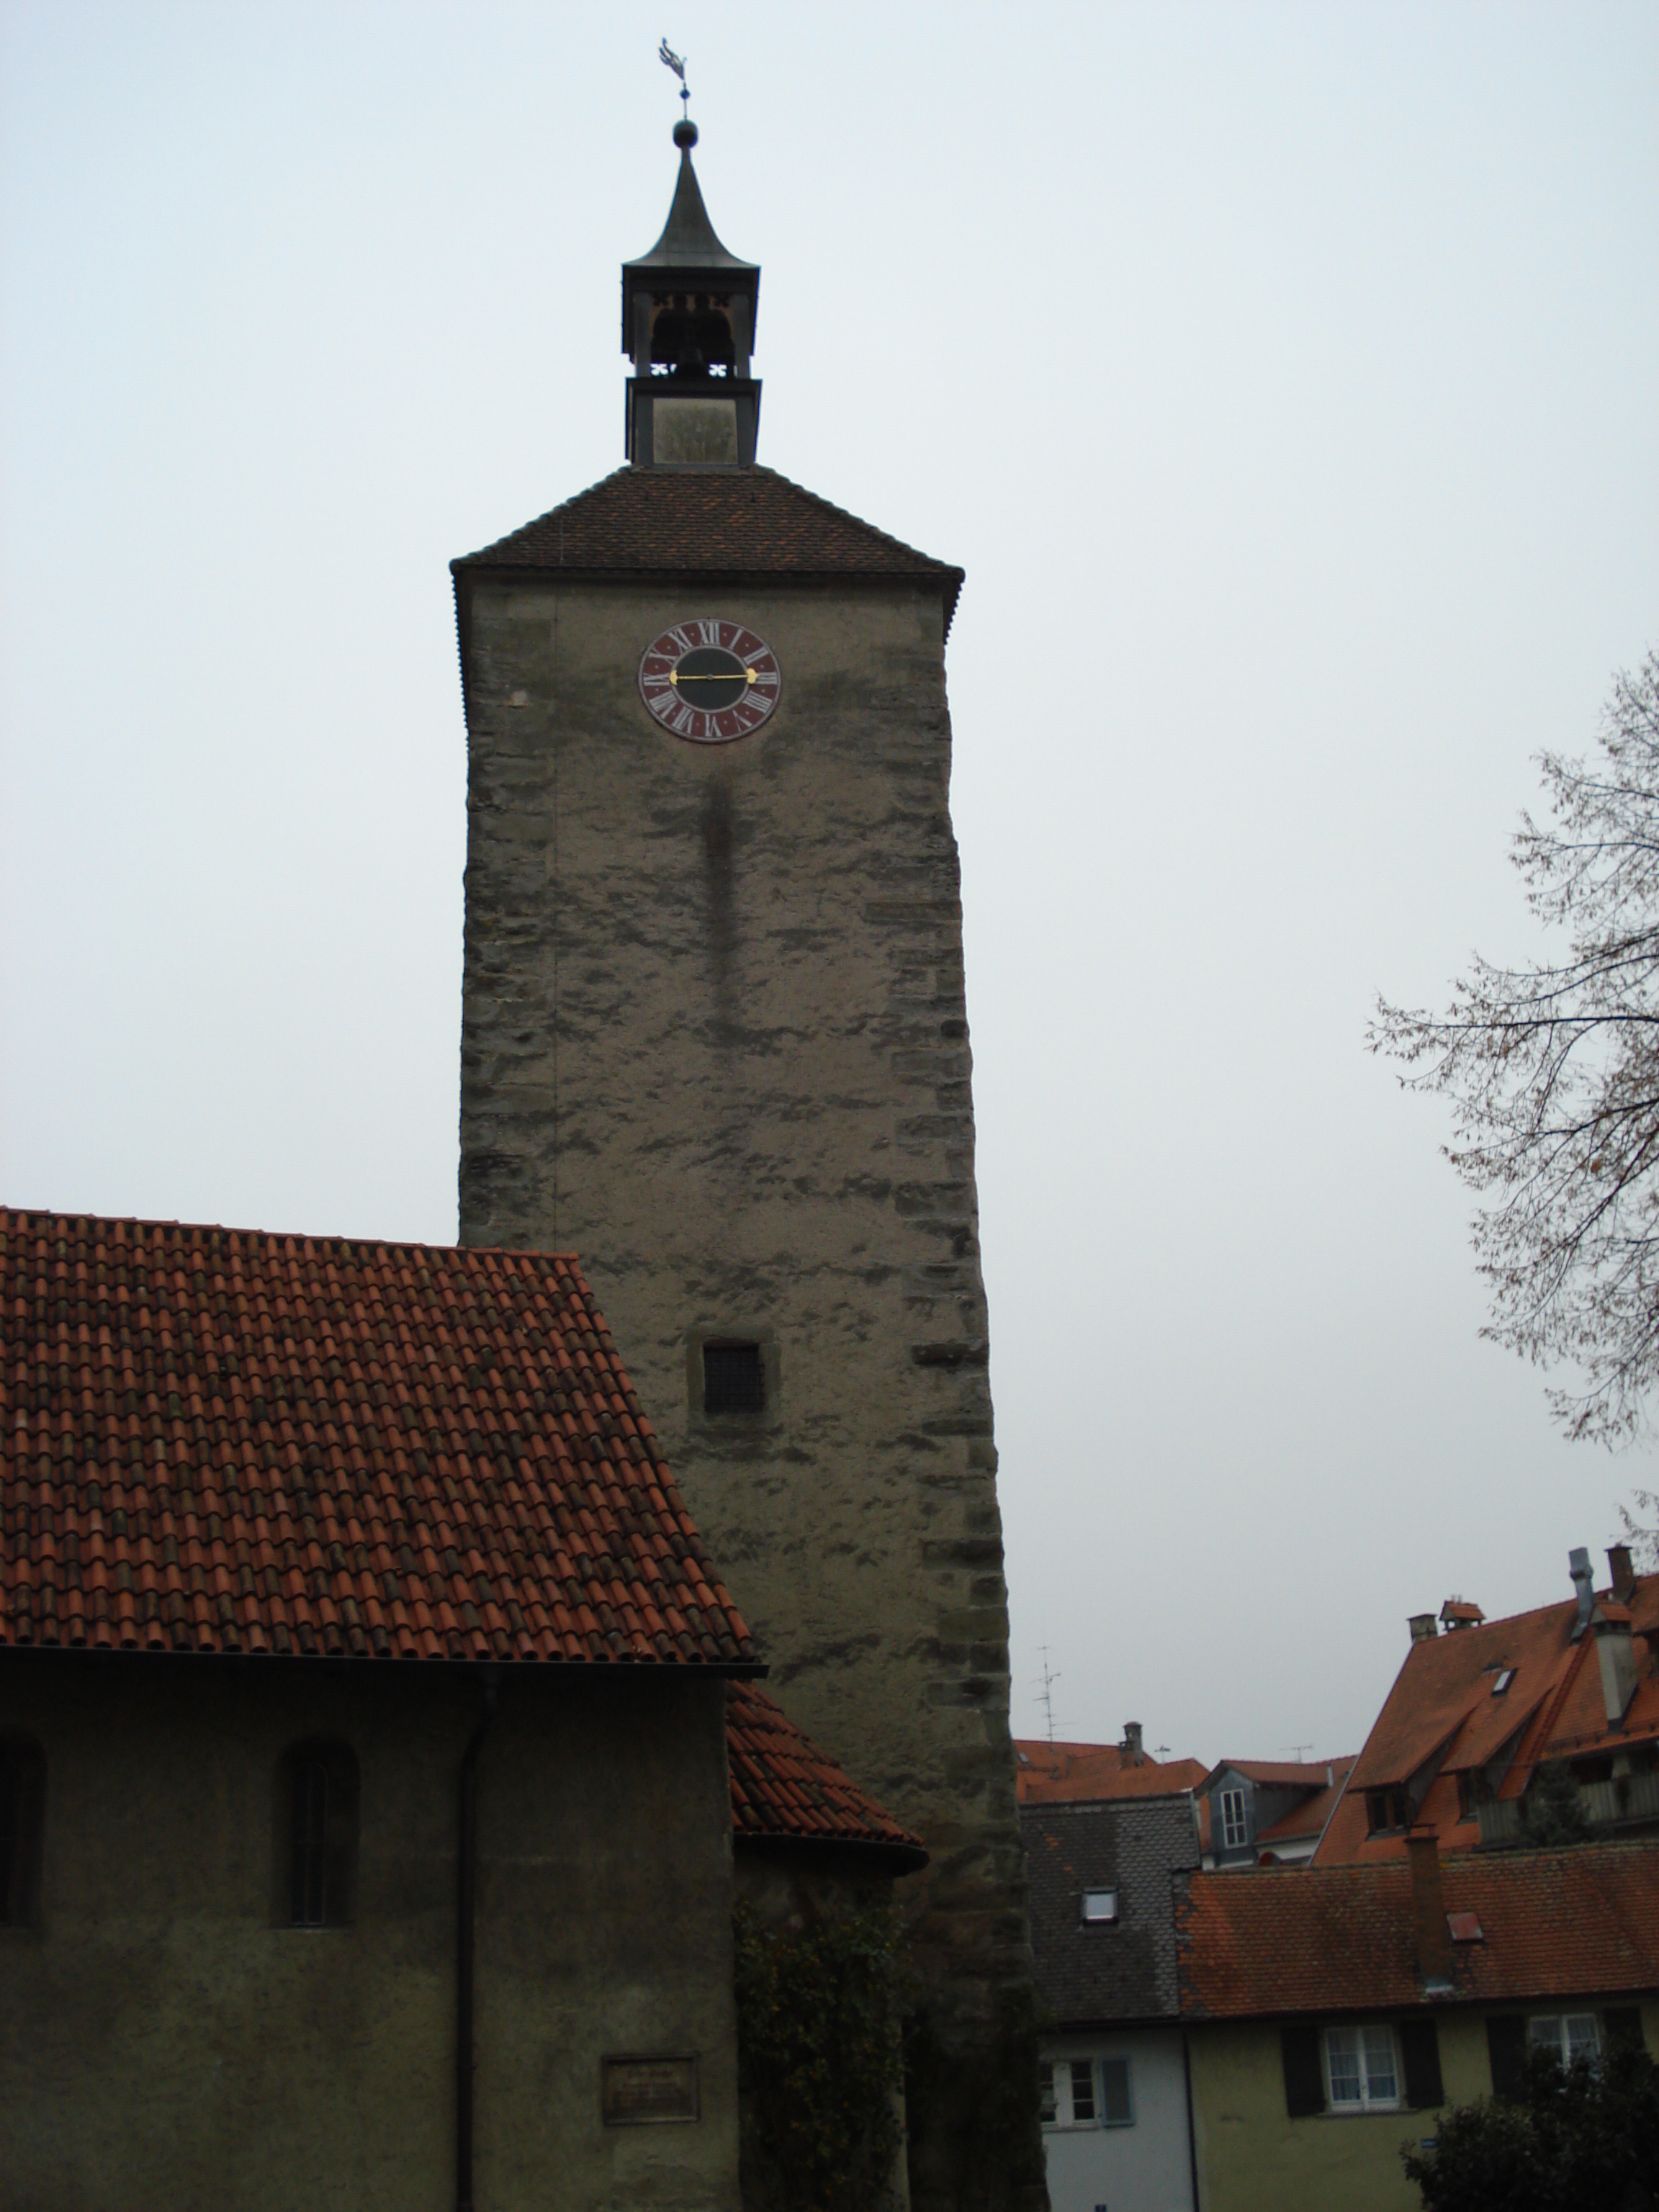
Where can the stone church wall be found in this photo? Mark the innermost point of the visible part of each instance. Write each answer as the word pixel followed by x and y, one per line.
pixel 165 2040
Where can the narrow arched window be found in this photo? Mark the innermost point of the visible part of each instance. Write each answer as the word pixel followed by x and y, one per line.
pixel 317 1821
pixel 22 1815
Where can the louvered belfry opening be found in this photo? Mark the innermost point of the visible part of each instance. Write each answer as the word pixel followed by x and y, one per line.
pixel 691 336
pixel 733 1379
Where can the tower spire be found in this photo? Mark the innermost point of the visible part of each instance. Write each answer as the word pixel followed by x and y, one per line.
pixel 689 311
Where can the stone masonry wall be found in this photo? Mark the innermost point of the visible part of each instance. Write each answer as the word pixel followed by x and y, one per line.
pixel 715 1040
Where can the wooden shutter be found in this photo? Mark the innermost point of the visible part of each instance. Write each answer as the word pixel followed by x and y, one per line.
pixel 1506 2050
pixel 1621 2024
pixel 1304 2078
pixel 1419 2054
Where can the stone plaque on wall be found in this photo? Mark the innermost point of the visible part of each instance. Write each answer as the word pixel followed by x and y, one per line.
pixel 640 2091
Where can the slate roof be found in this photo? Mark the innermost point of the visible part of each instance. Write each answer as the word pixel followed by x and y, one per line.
pixel 224 1441
pixel 724 522
pixel 1124 1970
pixel 1443 1707
pixel 1566 1923
pixel 785 1789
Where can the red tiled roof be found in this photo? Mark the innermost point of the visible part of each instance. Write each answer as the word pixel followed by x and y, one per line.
pixel 724 522
pixel 1087 1773
pixel 1310 1817
pixel 783 1787
pixel 1341 1939
pixel 219 1440
pixel 1443 1705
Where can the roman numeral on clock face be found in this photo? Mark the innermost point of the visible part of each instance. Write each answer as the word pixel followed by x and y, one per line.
pixel 709 680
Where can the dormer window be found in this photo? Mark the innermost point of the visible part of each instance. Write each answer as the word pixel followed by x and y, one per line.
pixel 1387 1809
pixel 1234 1820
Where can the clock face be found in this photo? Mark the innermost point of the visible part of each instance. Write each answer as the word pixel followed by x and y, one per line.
pixel 709 680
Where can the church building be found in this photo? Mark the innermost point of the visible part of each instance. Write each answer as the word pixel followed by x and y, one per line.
pixel 714 1039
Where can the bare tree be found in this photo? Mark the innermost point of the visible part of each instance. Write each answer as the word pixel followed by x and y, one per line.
pixel 1553 1072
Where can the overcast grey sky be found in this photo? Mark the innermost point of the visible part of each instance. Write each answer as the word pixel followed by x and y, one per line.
pixel 1284 377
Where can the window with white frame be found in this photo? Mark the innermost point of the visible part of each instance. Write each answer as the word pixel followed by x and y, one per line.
pixel 1362 2069
pixel 1569 2035
pixel 1234 1820
pixel 1086 2093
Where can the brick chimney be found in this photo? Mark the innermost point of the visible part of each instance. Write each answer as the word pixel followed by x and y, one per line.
pixel 1423 1626
pixel 1615 1648
pixel 1129 1751
pixel 1434 1948
pixel 1620 1573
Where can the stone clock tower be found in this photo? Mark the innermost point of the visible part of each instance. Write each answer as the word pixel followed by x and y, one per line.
pixel 715 1040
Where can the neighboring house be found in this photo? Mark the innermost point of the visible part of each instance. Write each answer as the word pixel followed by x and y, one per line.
pixel 1073 1773
pixel 1268 1813
pixel 1116 2121
pixel 1476 1711
pixel 365 1811
pixel 1332 2012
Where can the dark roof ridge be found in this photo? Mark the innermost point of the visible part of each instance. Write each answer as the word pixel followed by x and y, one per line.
pixel 628 472
pixel 12 1213
pixel 845 515
pixel 705 521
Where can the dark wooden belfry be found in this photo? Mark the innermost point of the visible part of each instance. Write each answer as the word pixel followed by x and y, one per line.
pixel 689 328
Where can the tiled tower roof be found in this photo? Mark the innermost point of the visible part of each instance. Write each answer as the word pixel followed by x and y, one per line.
pixel 712 521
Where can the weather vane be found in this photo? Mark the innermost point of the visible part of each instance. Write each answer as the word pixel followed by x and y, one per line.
pixel 669 59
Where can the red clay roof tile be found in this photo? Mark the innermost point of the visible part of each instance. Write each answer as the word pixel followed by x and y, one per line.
pixel 1087 1773
pixel 1446 1702
pixel 221 1440
pixel 1341 1939
pixel 784 1787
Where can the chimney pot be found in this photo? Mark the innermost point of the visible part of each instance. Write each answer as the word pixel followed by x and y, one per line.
pixel 1423 1626
pixel 1584 1582
pixel 1434 1949
pixel 1133 1753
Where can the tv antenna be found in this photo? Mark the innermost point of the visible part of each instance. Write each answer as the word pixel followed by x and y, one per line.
pixel 1299 1751
pixel 1046 1694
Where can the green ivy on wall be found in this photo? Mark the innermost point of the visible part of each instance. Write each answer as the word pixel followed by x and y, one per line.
pixel 819 2039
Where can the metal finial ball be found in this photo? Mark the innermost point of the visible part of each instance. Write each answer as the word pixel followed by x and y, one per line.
pixel 685 132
